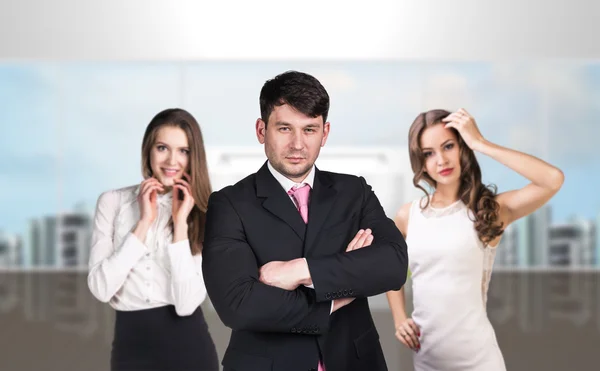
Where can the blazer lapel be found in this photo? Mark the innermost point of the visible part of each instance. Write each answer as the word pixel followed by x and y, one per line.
pixel 322 198
pixel 277 201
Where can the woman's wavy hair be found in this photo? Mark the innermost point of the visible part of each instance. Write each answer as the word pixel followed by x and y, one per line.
pixel 479 198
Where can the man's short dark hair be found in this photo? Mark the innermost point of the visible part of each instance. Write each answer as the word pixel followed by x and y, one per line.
pixel 297 89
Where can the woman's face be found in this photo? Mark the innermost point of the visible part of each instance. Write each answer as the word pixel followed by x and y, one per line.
pixel 169 156
pixel 441 154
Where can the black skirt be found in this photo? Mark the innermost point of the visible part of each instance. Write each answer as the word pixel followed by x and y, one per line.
pixel 158 339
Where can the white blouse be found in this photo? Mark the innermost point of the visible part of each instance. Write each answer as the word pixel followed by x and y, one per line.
pixel 131 275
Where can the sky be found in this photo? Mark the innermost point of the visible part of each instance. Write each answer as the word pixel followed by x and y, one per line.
pixel 71 130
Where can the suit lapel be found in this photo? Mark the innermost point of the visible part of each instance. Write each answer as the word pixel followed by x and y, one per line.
pixel 277 201
pixel 322 198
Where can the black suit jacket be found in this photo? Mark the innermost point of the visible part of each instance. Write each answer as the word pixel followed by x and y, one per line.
pixel 254 222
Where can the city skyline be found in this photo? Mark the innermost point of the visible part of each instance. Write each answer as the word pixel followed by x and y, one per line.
pixel 532 244
pixel 73 130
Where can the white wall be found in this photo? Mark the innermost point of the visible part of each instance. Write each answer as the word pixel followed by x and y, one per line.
pixel 267 29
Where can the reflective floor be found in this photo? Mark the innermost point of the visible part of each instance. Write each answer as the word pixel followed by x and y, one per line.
pixel 543 321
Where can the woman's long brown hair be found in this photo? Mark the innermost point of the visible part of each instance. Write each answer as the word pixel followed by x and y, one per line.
pixel 200 181
pixel 479 198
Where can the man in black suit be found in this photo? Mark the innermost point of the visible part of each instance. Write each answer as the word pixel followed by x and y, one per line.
pixel 280 263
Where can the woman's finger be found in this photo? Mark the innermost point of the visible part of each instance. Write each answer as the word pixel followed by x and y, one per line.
pixel 411 335
pixel 401 339
pixel 149 189
pixel 149 182
pixel 409 340
pixel 184 189
pixel 464 112
pixel 414 327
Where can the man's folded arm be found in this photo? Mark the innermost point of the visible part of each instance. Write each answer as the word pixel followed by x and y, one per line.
pixel 368 271
pixel 231 276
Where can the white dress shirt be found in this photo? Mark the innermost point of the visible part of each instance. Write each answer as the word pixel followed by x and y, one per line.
pixel 288 184
pixel 132 275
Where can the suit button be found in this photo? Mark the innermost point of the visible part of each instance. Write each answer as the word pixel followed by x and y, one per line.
pixel 351 292
pixel 328 296
pixel 293 329
pixel 345 292
pixel 340 293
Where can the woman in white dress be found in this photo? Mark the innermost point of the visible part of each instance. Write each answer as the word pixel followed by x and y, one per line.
pixel 452 235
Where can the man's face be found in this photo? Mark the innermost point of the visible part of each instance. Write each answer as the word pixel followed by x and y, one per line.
pixel 292 140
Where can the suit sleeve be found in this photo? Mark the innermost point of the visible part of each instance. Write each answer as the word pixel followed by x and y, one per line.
pixel 369 271
pixel 243 302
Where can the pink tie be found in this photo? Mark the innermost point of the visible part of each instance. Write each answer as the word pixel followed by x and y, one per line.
pixel 301 196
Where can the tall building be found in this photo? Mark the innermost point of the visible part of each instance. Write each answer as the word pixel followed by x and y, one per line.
pixel 587 229
pixel 20 252
pixel 565 245
pixel 507 250
pixel 532 238
pixel 60 241
pixel 73 237
pixel 42 237
pixel 31 241
pixel 10 250
pixel 572 244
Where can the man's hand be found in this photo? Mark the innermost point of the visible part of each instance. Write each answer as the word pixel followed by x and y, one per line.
pixel 363 238
pixel 285 275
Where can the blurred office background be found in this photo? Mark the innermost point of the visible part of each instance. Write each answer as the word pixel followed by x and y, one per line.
pixel 73 114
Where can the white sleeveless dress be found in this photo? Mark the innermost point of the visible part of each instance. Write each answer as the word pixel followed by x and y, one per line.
pixel 451 270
